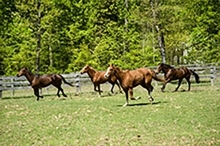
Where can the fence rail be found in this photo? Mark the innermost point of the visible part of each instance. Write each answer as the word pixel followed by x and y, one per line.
pixel 208 74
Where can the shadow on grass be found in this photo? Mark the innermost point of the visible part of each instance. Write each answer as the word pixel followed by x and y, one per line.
pixel 32 96
pixel 17 97
pixel 144 104
pixel 185 91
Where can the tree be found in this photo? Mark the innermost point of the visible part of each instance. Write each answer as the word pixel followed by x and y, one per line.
pixel 204 38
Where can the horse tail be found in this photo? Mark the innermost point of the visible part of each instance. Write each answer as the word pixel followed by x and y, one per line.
pixel 64 80
pixel 196 76
pixel 155 77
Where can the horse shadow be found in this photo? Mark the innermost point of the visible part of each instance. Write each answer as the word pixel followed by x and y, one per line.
pixel 29 96
pixel 17 97
pixel 144 104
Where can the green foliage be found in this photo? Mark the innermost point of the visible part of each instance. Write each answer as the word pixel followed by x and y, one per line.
pixel 75 33
pixel 204 37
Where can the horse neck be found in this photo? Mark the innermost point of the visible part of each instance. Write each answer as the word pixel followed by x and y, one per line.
pixel 91 72
pixel 165 69
pixel 30 76
pixel 119 74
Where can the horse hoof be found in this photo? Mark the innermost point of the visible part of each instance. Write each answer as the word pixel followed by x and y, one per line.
pixel 138 98
pixel 126 104
pixel 151 99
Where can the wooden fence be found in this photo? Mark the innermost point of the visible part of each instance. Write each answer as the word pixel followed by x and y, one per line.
pixel 208 74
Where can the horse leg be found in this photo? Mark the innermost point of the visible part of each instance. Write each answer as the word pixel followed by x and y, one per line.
pixel 96 89
pixel 58 92
pixel 180 81
pixel 99 90
pixel 131 95
pixel 164 85
pixel 150 89
pixel 112 87
pixel 126 95
pixel 118 87
pixel 61 89
pixel 36 93
pixel 188 80
pixel 58 86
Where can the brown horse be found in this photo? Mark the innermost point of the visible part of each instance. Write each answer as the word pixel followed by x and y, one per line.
pixel 97 77
pixel 132 78
pixel 171 73
pixel 40 81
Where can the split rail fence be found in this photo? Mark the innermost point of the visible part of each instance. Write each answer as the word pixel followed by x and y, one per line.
pixel 208 74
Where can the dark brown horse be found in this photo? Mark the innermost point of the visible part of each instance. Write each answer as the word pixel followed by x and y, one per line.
pixel 40 81
pixel 171 73
pixel 97 78
pixel 132 78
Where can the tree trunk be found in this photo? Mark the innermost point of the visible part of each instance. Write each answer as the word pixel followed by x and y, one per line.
pixel 161 43
pixel 51 56
pixel 126 29
pixel 38 37
pixel 160 35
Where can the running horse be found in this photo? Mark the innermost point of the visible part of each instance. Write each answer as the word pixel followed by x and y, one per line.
pixel 97 78
pixel 132 78
pixel 39 81
pixel 171 73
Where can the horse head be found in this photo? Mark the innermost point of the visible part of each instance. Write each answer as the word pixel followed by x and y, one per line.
pixel 159 68
pixel 110 71
pixel 22 72
pixel 85 69
pixel 163 67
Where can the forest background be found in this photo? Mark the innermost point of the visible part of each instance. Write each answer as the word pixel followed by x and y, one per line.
pixel 64 35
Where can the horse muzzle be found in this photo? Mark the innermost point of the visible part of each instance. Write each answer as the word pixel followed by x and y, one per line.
pixel 106 76
pixel 156 72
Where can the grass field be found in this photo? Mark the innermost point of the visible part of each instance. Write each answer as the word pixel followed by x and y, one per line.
pixel 175 118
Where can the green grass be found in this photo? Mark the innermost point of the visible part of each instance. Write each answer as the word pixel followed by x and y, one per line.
pixel 175 118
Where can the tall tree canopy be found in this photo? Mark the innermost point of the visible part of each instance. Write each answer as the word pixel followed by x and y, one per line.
pixel 129 33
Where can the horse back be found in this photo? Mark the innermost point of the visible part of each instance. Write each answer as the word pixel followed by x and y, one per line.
pixel 177 73
pixel 45 80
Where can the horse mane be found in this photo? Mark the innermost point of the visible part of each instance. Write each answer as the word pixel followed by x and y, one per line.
pixel 117 68
pixel 166 65
pixel 92 68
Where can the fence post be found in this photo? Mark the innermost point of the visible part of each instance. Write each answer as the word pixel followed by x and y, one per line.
pixel 1 87
pixel 212 74
pixel 78 88
pixel 12 86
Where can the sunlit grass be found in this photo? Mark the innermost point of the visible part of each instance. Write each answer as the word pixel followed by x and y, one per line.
pixel 175 118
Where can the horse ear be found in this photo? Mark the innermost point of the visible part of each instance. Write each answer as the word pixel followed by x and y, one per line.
pixel 24 68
